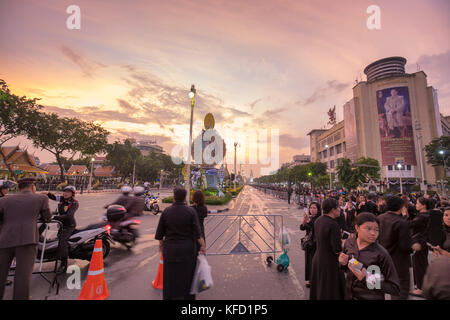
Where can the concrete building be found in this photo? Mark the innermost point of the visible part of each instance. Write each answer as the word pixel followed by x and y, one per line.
pixel 391 117
pixel 147 146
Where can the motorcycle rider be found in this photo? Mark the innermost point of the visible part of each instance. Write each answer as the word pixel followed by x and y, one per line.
pixel 5 185
pixel 138 204
pixel 125 199
pixel 67 207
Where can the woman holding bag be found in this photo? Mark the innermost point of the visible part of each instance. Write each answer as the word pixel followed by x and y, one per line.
pixel 179 232
pixel 308 243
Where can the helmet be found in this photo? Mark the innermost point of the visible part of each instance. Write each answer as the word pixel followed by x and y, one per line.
pixel 126 189
pixel 7 184
pixel 146 184
pixel 71 189
pixel 138 190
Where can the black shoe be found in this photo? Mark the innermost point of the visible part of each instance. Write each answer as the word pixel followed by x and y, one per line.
pixel 63 267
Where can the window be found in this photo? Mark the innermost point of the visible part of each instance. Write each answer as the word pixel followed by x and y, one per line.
pixel 332 151
pixel 337 136
pixel 324 153
pixel 332 164
pixel 408 167
pixel 339 148
pixel 344 146
pixel 390 168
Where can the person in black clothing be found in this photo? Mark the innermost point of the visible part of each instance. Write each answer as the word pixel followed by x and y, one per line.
pixel 67 207
pixel 419 227
pixel 310 246
pixel 435 235
pixel 289 193
pixel 125 199
pixel 350 215
pixel 341 219
pixel 381 205
pixel 178 232
pixel 327 278
pixel 368 253
pixel 201 209
pixel 395 237
pixel 369 206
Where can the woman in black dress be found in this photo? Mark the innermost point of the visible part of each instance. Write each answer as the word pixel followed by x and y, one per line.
pixel 201 209
pixel 368 252
pixel 327 278
pixel 310 244
pixel 178 232
pixel 419 227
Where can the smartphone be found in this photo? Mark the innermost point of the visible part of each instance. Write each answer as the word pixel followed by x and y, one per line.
pixel 345 235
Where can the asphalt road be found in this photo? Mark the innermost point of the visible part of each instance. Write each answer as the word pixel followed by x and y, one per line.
pixel 129 273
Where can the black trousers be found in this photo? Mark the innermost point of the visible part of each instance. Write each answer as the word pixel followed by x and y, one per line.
pixel 420 265
pixel 404 279
pixel 63 248
pixel 25 257
pixel 309 254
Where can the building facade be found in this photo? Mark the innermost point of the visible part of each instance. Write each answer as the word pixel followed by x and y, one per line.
pixel 391 117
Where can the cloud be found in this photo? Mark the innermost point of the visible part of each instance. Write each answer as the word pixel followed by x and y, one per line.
pixel 331 87
pixel 88 67
pixel 252 105
pixel 289 141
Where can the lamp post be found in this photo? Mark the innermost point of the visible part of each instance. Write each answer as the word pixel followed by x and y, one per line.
pixel 90 175
pixel 329 162
pixel 235 175
pixel 192 97
pixel 399 166
pixel 442 153
pixel 419 142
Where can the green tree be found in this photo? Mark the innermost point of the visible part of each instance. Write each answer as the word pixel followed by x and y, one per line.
pixel 434 157
pixel 346 174
pixel 67 135
pixel 123 157
pixel 16 115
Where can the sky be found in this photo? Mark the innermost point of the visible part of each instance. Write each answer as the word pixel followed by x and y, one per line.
pixel 271 66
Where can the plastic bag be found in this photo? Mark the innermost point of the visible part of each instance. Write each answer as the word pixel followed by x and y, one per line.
pixel 202 276
pixel 285 239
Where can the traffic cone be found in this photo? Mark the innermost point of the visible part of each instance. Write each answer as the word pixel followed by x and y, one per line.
pixel 95 286
pixel 158 282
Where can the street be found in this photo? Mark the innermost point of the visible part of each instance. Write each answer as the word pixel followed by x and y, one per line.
pixel 129 273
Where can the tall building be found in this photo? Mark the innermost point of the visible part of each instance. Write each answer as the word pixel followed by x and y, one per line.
pixel 147 146
pixel 391 117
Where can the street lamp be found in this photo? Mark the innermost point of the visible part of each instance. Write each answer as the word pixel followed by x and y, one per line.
pixel 191 95
pixel 442 153
pixel 399 166
pixel 90 175
pixel 235 175
pixel 329 162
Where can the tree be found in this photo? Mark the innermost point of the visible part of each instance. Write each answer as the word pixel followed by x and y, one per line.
pixel 346 174
pixel 16 115
pixel 69 135
pixel 123 157
pixel 434 157
pixel 351 176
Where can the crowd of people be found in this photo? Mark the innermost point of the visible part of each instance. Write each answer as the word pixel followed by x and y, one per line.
pixel 393 233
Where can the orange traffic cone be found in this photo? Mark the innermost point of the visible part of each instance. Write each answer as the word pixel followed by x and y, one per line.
pixel 158 282
pixel 95 286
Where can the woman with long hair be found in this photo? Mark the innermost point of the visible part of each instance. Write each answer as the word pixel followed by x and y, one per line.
pixel 308 242
pixel 201 209
pixel 419 227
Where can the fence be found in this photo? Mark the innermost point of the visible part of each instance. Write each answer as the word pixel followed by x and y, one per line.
pixel 243 234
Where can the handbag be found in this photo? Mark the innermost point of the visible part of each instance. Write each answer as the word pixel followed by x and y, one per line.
pixel 307 242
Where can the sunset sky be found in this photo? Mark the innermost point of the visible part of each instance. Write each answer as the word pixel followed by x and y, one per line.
pixel 256 64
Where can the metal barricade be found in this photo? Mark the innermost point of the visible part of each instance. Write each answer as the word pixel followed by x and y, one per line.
pixel 243 234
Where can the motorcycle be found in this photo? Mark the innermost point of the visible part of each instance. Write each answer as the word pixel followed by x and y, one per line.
pixel 81 242
pixel 121 229
pixel 151 203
